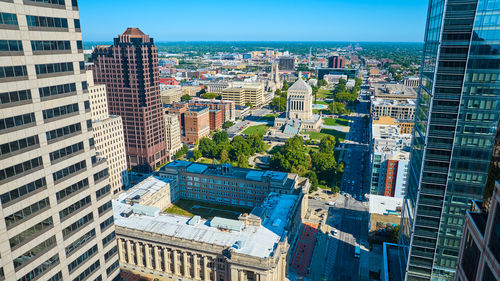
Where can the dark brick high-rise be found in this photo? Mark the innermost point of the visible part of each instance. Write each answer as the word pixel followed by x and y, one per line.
pixel 336 61
pixel 129 69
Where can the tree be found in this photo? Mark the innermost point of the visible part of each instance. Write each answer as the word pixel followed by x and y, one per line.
pixel 256 143
pixel 197 154
pixel 324 165
pixel 277 92
pixel 209 95
pixel 220 137
pixel 224 156
pixel 340 167
pixel 239 147
pixel 179 154
pixel 285 86
pixel 313 178
pixel 278 104
pixel 227 124
pixel 291 157
pixel 249 104
pixel 338 108
pixel 206 147
pixel 327 145
pixel 185 97
pixel 322 82
pixel 242 161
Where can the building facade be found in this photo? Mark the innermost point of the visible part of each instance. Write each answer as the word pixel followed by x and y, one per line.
pixel 455 128
pixel 286 63
pixel 397 109
pixel 172 134
pixel 479 257
pixel 245 93
pixel 108 135
pixel 129 69
pixel 336 61
pixel 55 196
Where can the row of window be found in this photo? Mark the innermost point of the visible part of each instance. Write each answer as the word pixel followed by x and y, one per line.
pixel 53 68
pixel 106 223
pixel 80 242
pixel 27 212
pixel 63 152
pixel 42 268
pixel 16 121
pixel 61 132
pixel 40 21
pixel 35 251
pixel 30 233
pixel 111 253
pixel 74 207
pixel 77 224
pixel 8 19
pixel 112 268
pixel 50 45
pixel 53 2
pixel 20 168
pixel 109 238
pixel 72 189
pixel 89 253
pixel 102 191
pixel 101 174
pixel 17 145
pixel 15 96
pixel 56 277
pixel 60 111
pixel 23 190
pixel 11 45
pixel 13 71
pixel 88 271
pixel 69 170
pixel 106 206
pixel 57 90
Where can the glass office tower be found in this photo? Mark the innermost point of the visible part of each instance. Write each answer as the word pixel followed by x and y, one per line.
pixel 455 127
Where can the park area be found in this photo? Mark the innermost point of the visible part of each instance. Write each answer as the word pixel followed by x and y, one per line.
pixel 339 136
pixel 336 121
pixel 189 208
pixel 258 129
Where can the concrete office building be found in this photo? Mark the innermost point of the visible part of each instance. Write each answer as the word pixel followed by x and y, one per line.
pixel 392 91
pixel 286 63
pixel 454 135
pixel 243 93
pixel 397 109
pixel 56 220
pixel 129 69
pixel 169 96
pixel 172 134
pixel 216 87
pixel 108 135
pixel 479 257
pixel 336 61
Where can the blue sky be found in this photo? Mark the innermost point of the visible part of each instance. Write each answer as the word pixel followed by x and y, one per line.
pixel 257 20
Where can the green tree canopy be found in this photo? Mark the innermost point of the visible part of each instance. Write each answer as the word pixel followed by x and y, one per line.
pixel 327 144
pixel 185 97
pixel 220 137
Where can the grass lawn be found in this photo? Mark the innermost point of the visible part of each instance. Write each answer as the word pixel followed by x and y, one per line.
pixel 205 161
pixel 322 94
pixel 336 121
pixel 268 117
pixel 339 136
pixel 321 102
pixel 259 129
pixel 205 210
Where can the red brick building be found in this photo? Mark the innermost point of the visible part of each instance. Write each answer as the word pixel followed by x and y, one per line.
pixel 390 177
pixel 227 107
pixel 336 61
pixel 129 69
pixel 216 119
pixel 194 121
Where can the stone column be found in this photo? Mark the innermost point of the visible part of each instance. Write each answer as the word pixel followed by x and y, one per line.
pixel 130 253
pixel 157 258
pixel 166 260
pixel 241 275
pixel 196 267
pixel 206 276
pixel 176 263
pixel 138 250
pixel 185 264
pixel 121 251
pixel 147 253
pixel 234 273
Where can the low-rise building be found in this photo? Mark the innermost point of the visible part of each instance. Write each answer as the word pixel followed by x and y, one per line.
pixel 152 191
pixel 393 91
pixel 397 109
pixel 194 121
pixel 385 213
pixel 244 93
pixel 226 106
pixel 404 126
pixel 169 96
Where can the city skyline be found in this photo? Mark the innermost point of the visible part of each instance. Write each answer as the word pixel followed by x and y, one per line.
pixel 227 21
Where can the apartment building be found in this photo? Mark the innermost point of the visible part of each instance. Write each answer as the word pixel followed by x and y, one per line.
pixel 194 121
pixel 56 219
pixel 397 109
pixel 133 90
pixel 108 135
pixel 172 134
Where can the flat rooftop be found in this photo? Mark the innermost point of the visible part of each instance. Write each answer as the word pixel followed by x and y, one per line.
pixel 150 185
pixel 390 102
pixel 396 90
pixel 257 241
pixel 385 205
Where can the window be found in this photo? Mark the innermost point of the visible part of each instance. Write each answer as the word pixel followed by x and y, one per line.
pixel 61 132
pixel 8 19
pixel 471 257
pixel 63 152
pixel 76 225
pixel 27 257
pixel 50 45
pixel 80 242
pixel 106 206
pixel 23 190
pixel 38 21
pixel 53 68
pixel 101 174
pixel 11 46
pixel 30 233
pixel 74 3
pixel 82 67
pixel 103 191
pixel 84 85
pixel 69 170
pixel 17 145
pixel 17 121
pixel 26 213
pixel 107 239
pixel 53 2
pixel 112 268
pixel 87 271
pixel 20 168
pixel 16 96
pixel 85 256
pixel 13 71
pixel 71 189
pixel 79 45
pixel 39 270
pixel 111 253
pixel 74 207
pixel 106 223
pixel 56 277
pixel 57 90
pixel 494 243
pixel 77 23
